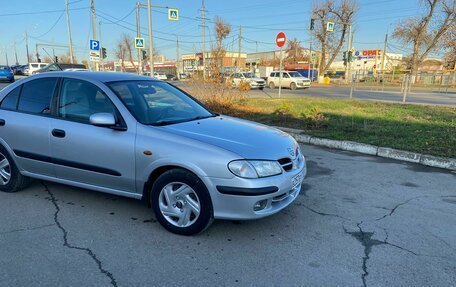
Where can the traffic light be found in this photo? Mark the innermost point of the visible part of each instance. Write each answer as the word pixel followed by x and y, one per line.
pixel 56 59
pixel 344 57
pixel 144 54
pixel 312 24
pixel 103 53
pixel 350 56
pixel 39 60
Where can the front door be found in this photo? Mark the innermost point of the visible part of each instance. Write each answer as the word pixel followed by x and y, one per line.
pixel 99 156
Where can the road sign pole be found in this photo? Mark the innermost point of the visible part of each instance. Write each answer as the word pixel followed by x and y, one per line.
pixel 138 34
pixel 280 73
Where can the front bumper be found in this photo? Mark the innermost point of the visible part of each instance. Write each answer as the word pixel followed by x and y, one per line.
pixel 303 84
pixel 256 85
pixel 235 198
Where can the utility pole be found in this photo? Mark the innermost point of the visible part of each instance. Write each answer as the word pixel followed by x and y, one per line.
pixel 138 34
pixel 101 47
pixel 26 47
pixel 203 27
pixel 94 30
pixel 70 41
pixel 239 50
pixel 15 53
pixel 349 47
pixel 151 43
pixel 6 55
pixel 384 57
pixel 177 57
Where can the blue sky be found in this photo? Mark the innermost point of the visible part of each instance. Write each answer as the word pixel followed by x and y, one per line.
pixel 261 20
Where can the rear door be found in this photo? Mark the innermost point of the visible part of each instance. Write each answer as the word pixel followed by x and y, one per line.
pixel 25 118
pixel 83 153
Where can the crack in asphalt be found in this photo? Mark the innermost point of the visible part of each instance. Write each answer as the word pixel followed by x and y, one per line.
pixel 68 245
pixel 27 229
pixel 321 213
pixel 397 206
pixel 365 238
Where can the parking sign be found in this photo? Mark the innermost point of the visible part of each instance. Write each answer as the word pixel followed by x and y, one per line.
pixel 94 45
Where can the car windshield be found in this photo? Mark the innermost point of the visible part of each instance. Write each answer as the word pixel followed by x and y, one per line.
pixel 158 103
pixel 248 75
pixel 295 74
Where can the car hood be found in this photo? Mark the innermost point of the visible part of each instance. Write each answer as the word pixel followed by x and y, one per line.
pixel 5 72
pixel 247 139
pixel 256 79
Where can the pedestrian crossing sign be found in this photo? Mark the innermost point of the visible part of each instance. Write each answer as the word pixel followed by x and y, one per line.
pixel 173 14
pixel 139 43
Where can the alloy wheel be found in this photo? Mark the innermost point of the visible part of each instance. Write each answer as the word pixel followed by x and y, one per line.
pixel 5 170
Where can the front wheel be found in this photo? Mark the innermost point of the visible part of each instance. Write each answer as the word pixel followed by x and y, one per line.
pixel 261 88
pixel 293 86
pixel 181 202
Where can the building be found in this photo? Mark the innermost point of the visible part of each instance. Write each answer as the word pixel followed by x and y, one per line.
pixel 271 58
pixel 194 62
pixel 368 61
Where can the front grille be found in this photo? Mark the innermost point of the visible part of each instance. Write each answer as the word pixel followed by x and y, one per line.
pixel 286 163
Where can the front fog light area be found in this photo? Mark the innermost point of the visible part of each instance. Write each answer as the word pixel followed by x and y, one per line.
pixel 260 205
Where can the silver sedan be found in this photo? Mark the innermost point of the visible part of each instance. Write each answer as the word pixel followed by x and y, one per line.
pixel 142 138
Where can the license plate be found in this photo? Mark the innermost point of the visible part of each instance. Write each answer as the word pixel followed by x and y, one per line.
pixel 296 180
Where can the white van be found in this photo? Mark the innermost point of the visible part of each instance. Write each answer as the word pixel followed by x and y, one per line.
pixel 32 67
pixel 290 79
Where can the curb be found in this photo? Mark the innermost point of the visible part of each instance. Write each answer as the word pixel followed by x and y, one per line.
pixel 423 159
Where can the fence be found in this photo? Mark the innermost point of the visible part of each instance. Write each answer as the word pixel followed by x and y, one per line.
pixel 404 83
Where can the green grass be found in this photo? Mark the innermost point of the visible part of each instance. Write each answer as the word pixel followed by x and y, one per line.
pixel 417 128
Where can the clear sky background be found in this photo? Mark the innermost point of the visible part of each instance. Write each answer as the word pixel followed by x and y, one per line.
pixel 45 22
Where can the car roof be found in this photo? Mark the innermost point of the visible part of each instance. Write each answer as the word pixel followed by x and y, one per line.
pixel 97 76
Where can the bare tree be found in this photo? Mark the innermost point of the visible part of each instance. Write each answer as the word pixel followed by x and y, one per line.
pixel 295 52
pixel 449 41
pixel 425 32
pixel 342 12
pixel 66 59
pixel 222 30
pixel 124 51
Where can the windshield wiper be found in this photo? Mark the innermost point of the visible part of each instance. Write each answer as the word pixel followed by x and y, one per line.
pixel 165 123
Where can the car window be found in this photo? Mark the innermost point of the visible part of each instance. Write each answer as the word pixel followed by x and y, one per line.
pixel 79 100
pixel 34 65
pixel 10 101
pixel 157 103
pixel 295 74
pixel 36 96
pixel 285 75
pixel 43 65
pixel 271 75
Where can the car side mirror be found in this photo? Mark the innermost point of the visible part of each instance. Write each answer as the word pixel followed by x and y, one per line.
pixel 103 120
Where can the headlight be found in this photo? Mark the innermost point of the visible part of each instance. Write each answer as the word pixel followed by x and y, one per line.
pixel 254 168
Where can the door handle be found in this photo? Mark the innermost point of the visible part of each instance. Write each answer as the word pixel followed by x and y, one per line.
pixel 2 122
pixel 58 133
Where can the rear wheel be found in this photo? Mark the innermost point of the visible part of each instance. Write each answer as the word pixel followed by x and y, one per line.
pixel 271 85
pixel 181 202
pixel 11 180
pixel 293 86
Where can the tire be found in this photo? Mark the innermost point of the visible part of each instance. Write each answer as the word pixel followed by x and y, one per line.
pixel 272 85
pixel 293 86
pixel 16 181
pixel 261 88
pixel 193 196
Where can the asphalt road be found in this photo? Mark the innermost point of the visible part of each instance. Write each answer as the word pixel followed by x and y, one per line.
pixel 359 220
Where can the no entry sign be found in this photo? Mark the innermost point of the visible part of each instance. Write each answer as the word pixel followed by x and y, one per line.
pixel 281 39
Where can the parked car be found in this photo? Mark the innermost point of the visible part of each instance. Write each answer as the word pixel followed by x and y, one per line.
pixel 290 79
pixel 247 77
pixel 142 138
pixel 32 67
pixel 183 75
pixel 6 74
pixel 15 68
pixel 157 75
pixel 23 70
pixel 60 67
pixel 171 77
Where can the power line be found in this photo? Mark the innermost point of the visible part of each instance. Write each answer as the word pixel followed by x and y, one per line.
pixel 41 12
pixel 52 27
